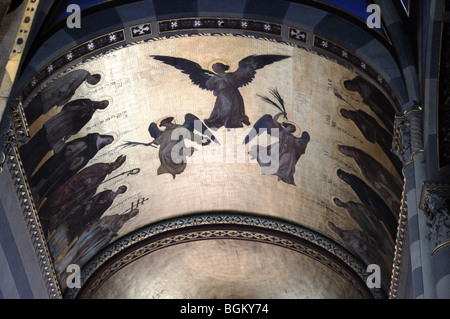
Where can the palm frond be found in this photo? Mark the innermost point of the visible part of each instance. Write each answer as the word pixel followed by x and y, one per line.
pixel 277 95
pixel 129 144
pixel 269 101
pixel 280 105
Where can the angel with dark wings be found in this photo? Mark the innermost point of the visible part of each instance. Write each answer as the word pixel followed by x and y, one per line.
pixel 229 110
pixel 171 142
pixel 279 158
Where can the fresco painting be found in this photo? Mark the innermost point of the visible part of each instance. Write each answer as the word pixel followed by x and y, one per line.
pixel 229 108
pixel 288 148
pixel 97 175
pixel 174 162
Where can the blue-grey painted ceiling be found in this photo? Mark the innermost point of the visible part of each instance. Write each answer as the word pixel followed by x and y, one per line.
pixel 355 10
pixel 354 7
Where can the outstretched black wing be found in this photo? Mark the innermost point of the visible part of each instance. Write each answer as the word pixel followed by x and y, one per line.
pixel 255 62
pixel 154 131
pixel 193 123
pixel 264 124
pixel 197 75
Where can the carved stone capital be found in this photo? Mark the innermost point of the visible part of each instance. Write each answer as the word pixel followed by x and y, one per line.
pixel 13 129
pixel 435 202
pixel 408 133
pixel 401 143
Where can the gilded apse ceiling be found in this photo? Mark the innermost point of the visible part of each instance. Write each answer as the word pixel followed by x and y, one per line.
pixel 183 164
pixel 227 269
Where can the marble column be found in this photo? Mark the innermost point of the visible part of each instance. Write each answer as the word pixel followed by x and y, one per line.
pixel 408 145
pixel 435 202
pixel 435 190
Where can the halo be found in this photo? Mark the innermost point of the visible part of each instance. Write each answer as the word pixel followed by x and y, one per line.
pixel 336 145
pixel 113 134
pixel 332 198
pixel 108 98
pixel 102 78
pixel 298 131
pixel 216 61
pixel 342 81
pixel 338 111
pixel 127 185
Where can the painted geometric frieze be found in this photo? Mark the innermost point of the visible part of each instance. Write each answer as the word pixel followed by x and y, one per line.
pixel 218 24
pixel 141 30
pixel 297 34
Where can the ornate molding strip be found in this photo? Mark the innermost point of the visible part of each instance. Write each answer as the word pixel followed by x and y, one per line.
pixel 223 225
pixel 29 211
pixel 220 23
pixel 13 128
